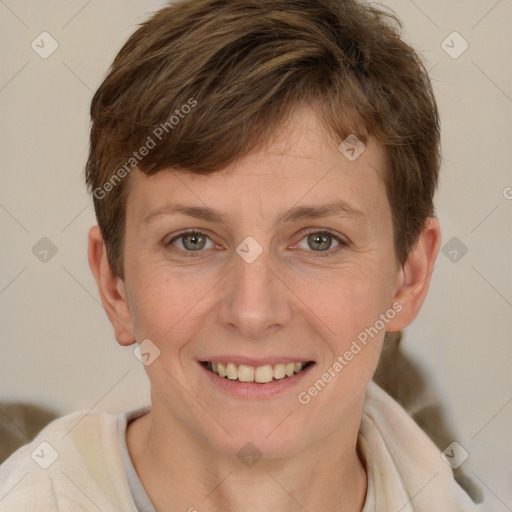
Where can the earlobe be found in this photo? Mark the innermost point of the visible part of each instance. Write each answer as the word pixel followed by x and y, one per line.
pixel 416 274
pixel 111 288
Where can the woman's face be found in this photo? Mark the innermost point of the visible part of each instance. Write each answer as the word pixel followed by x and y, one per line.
pixel 267 282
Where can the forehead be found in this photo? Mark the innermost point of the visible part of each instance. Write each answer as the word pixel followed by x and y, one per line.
pixel 299 165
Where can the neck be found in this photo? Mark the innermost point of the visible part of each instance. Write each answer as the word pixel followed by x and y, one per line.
pixel 181 472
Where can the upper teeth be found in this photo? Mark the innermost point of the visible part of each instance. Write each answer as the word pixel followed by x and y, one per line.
pixel 261 374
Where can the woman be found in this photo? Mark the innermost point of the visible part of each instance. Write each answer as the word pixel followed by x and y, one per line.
pixel 263 176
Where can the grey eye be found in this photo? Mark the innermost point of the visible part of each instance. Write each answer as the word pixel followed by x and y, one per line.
pixel 194 242
pixel 321 241
pixel 191 241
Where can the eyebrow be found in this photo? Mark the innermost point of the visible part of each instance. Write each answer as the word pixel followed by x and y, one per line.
pixel 338 207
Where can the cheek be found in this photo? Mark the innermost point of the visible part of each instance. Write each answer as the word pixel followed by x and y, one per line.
pixel 346 299
pixel 163 302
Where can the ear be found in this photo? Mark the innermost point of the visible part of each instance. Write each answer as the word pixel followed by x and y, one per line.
pixel 112 289
pixel 416 273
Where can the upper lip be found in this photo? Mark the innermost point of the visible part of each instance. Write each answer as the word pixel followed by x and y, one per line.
pixel 250 361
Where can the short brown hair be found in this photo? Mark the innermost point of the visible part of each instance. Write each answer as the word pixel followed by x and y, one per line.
pixel 246 64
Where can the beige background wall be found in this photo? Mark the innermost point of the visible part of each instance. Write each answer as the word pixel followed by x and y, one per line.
pixel 57 346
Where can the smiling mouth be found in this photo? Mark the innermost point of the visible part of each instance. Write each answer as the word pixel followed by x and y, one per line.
pixel 259 374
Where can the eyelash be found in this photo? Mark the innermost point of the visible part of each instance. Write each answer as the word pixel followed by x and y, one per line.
pixel 319 254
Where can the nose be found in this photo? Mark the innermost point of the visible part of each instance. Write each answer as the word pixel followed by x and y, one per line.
pixel 256 299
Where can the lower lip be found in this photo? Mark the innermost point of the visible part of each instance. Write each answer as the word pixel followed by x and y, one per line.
pixel 255 390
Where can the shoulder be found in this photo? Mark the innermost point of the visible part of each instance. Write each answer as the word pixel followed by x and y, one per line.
pixel 74 463
pixel 402 459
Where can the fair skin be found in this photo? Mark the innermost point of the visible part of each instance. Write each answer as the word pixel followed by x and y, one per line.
pixel 302 299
